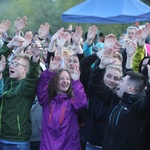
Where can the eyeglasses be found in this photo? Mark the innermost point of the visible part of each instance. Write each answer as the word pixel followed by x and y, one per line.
pixel 15 64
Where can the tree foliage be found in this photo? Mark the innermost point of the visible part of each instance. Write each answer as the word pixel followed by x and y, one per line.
pixel 40 11
pixel 147 2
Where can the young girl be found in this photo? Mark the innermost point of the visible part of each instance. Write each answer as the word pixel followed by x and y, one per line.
pixel 62 96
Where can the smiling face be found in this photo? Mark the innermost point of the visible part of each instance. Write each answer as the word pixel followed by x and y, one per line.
pixel 18 68
pixel 112 78
pixel 64 82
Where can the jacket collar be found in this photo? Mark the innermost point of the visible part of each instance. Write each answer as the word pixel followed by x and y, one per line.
pixel 129 98
pixel 60 98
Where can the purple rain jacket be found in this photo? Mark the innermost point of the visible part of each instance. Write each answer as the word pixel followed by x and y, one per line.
pixel 59 125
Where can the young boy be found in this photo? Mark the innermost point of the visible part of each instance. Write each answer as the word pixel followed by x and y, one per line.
pixel 129 109
pixel 20 80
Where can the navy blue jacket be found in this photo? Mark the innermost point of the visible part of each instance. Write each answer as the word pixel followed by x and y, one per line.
pixel 126 119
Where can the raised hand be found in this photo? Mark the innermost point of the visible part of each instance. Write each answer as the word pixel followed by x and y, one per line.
pixel 77 35
pixel 36 48
pixel 55 36
pixel 91 32
pixel 107 58
pixel 2 64
pixel 110 41
pixel 137 35
pixel 144 33
pixel 131 47
pixel 54 63
pixel 61 40
pixel 4 26
pixel 52 46
pixel 27 39
pixel 20 23
pixel 43 30
pixel 75 73
pixel 16 41
pixel 147 26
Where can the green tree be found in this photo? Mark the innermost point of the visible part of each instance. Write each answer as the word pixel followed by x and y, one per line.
pixel 40 11
pixel 147 2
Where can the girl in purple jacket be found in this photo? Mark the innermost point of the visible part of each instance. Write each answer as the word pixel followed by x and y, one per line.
pixel 62 96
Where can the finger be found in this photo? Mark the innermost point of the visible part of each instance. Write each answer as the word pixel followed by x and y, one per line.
pixel 17 19
pixel 24 19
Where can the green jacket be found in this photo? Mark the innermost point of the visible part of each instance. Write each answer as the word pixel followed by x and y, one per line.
pixel 138 56
pixel 16 102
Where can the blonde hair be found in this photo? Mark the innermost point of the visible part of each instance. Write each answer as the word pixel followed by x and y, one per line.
pixel 21 56
pixel 119 57
pixel 66 54
pixel 132 27
pixel 116 67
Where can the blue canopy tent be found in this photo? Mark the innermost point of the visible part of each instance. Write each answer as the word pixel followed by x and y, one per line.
pixel 108 12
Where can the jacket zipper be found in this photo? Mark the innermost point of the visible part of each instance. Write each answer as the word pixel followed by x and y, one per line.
pixel 116 121
pixel 2 106
pixel 110 117
pixel 18 122
pixel 61 115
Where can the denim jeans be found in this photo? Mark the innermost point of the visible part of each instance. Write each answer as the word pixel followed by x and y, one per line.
pixel 92 147
pixel 4 146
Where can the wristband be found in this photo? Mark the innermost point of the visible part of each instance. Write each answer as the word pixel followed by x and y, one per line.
pixel 40 39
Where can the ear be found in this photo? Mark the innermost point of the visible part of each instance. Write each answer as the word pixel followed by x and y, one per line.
pixel 26 70
pixel 130 88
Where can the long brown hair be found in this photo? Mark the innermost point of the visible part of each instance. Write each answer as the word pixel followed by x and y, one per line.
pixel 52 86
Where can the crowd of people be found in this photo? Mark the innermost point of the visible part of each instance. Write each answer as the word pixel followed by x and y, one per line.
pixel 70 92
